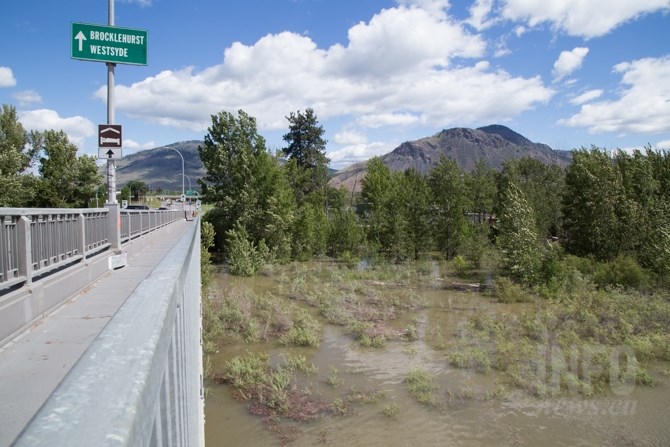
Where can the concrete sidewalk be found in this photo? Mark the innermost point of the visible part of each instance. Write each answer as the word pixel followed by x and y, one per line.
pixel 34 363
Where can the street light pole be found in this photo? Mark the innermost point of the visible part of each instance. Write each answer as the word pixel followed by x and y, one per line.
pixel 189 183
pixel 182 175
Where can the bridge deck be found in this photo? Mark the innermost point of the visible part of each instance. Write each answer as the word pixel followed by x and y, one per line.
pixel 34 363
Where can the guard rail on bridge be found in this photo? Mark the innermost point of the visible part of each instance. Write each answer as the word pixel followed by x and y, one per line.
pixel 39 246
pixel 140 382
pixel 34 242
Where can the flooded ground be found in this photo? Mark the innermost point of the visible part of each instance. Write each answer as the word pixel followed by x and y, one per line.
pixel 366 391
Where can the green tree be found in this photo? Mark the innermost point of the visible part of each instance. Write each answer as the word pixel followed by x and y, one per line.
pixel 306 151
pixel 18 152
pixel 134 190
pixel 412 205
pixel 597 213
pixel 346 235
pixel 396 208
pixel 518 238
pixel 310 232
pixel 377 190
pixel 246 185
pixel 481 184
pixel 645 179
pixel 449 205
pixel 542 185
pixel 245 258
pixel 66 179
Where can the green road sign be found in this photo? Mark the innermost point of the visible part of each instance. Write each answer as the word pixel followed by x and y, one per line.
pixel 191 192
pixel 108 44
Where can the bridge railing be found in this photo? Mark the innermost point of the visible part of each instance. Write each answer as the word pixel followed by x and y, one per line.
pixel 35 242
pixel 140 381
pixel 135 223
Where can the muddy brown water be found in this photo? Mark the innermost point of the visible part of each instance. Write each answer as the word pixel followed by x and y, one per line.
pixel 467 415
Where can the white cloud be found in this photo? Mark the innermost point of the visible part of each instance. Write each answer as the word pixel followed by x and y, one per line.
pixel 642 105
pixel 584 18
pixel 395 69
pixel 132 144
pixel 480 15
pixel 7 77
pixel 358 152
pixel 27 97
pixel 587 97
pixel 348 137
pixel 142 3
pixel 435 7
pixel 77 128
pixel 387 119
pixel 500 47
pixel 400 40
pixel 569 61
pixel 664 145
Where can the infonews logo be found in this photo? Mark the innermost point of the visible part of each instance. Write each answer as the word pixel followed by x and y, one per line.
pixel 578 370
pixel 566 407
pixel 560 379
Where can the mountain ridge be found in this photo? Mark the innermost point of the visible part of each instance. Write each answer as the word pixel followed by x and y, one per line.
pixel 161 167
pixel 495 144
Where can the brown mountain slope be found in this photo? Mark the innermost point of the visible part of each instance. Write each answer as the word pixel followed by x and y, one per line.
pixel 494 144
pixel 161 167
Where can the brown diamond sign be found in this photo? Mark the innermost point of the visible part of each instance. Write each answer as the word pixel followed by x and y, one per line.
pixel 109 135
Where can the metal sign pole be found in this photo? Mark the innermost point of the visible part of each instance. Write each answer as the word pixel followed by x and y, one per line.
pixel 111 163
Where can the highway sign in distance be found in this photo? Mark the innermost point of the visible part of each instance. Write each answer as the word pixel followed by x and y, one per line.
pixel 108 44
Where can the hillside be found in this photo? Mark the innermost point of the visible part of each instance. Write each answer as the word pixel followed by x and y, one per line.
pixel 161 167
pixel 495 144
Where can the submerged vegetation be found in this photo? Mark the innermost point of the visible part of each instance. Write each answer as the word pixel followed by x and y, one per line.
pixel 562 274
pixel 580 340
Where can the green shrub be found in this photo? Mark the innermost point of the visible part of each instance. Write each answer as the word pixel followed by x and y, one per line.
pixel 421 385
pixel 333 378
pixel 460 265
pixel 305 331
pixel 624 271
pixel 392 411
pixel 243 256
pixel 206 242
pixel 471 357
pixel 507 291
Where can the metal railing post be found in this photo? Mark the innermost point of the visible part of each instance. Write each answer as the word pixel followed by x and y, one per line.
pixel 25 249
pixel 81 235
pixel 114 222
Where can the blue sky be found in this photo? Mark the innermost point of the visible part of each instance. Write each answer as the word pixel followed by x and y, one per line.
pixel 568 73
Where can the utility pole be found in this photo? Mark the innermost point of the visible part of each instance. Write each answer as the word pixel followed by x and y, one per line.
pixel 111 163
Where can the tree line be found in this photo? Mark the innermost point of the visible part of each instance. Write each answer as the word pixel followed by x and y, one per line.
pixel 42 169
pixel 603 208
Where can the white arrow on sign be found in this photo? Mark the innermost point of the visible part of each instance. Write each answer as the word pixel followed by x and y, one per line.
pixel 81 38
pixel 110 154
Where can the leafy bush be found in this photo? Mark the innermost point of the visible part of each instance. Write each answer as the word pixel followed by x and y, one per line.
pixel 508 291
pixel 460 265
pixel 206 242
pixel 623 271
pixel 392 411
pixel 305 331
pixel 244 258
pixel 471 357
pixel 421 385
pixel 518 238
